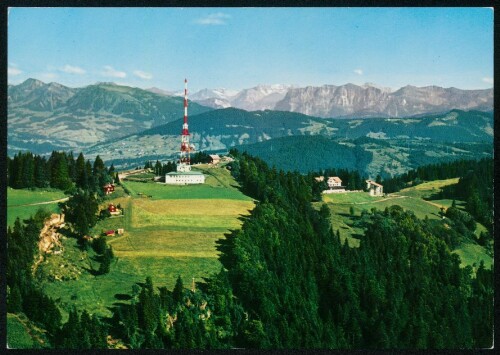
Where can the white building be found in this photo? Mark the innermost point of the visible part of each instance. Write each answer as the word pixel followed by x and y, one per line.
pixel 214 159
pixel 374 188
pixel 184 178
pixel 334 181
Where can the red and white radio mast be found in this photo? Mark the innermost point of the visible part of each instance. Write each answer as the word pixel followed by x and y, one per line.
pixel 184 161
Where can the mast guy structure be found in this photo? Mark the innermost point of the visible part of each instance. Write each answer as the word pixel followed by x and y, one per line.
pixel 185 159
pixel 184 175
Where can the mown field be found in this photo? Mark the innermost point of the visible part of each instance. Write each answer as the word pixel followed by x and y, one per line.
pixel 409 199
pixel 24 203
pixel 170 234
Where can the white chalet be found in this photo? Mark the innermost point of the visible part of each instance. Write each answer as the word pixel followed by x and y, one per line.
pixel 334 181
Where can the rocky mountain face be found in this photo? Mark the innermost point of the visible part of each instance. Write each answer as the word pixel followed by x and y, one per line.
pixel 349 100
pixel 262 97
pixel 364 101
pixel 43 117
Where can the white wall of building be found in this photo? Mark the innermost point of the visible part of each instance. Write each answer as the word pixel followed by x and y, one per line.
pixel 184 179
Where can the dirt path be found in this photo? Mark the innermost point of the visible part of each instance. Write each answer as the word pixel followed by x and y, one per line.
pixel 28 330
pixel 432 203
pixel 393 197
pixel 370 202
pixel 41 203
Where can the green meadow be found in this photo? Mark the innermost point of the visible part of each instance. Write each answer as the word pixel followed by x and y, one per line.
pixel 24 203
pixel 412 198
pixel 23 334
pixel 170 234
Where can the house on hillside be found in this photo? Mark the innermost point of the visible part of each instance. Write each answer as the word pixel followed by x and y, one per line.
pixel 334 181
pixel 334 185
pixel 319 178
pixel 214 159
pixel 113 210
pixel 108 188
pixel 375 189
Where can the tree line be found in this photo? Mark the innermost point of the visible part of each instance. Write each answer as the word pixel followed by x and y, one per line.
pixel 84 181
pixel 61 171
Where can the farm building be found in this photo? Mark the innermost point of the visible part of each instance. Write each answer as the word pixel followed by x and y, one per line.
pixel 319 178
pixel 113 209
pixel 109 233
pixel 214 159
pixel 184 178
pixel 374 188
pixel 108 188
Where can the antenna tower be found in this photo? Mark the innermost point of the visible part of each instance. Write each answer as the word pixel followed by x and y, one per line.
pixel 184 161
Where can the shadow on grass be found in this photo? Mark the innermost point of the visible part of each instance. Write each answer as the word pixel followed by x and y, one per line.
pixel 122 297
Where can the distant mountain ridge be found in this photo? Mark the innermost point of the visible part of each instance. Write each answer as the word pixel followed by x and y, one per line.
pixel 350 100
pixel 43 117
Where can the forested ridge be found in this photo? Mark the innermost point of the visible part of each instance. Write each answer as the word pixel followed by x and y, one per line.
pixel 289 282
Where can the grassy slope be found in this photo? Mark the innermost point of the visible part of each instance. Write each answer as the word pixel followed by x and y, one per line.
pixel 18 199
pixel 409 199
pixel 165 236
pixel 22 334
pixel 18 337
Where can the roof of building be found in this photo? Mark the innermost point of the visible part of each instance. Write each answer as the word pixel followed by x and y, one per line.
pixel 214 156
pixel 335 179
pixel 319 178
pixel 373 183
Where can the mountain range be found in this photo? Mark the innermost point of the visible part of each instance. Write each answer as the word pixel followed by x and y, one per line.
pixel 125 125
pixel 43 117
pixel 349 100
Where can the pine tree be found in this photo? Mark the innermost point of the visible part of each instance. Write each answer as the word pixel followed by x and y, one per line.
pixel 177 293
pixel 82 179
pixel 59 177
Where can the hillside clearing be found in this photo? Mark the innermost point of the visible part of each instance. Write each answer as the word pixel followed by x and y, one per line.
pixel 409 199
pixel 165 236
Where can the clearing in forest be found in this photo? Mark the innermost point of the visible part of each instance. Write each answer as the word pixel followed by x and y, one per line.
pixel 171 233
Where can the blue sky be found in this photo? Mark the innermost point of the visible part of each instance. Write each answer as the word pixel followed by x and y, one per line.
pixel 238 48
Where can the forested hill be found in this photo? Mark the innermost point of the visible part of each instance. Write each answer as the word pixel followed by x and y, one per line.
pixel 454 126
pixel 311 153
pixel 288 282
pixel 368 156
